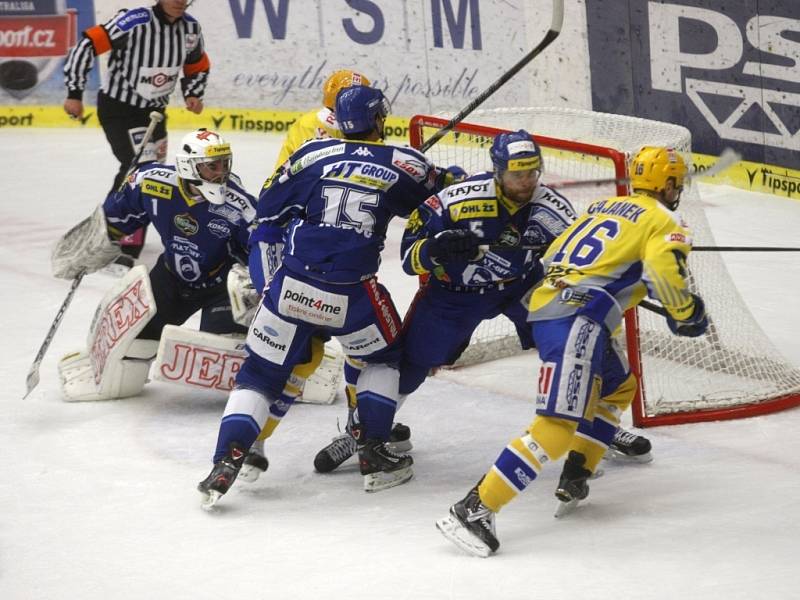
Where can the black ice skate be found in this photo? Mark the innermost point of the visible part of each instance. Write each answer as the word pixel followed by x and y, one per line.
pixel 344 446
pixel 381 467
pixel 222 476
pixel 629 447
pixel 572 486
pixel 470 526
pixel 255 463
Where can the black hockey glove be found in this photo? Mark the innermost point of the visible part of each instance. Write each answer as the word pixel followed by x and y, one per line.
pixel 453 245
pixel 695 325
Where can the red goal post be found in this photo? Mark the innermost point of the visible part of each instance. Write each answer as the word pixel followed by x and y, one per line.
pixel 732 372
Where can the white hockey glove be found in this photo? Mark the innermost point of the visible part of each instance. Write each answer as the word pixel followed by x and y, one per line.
pixel 244 297
pixel 85 247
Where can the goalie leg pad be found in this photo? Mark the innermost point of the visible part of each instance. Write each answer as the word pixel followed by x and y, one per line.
pixel 122 378
pixel 116 363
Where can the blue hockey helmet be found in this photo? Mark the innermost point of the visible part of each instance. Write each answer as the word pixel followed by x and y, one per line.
pixel 357 108
pixel 516 151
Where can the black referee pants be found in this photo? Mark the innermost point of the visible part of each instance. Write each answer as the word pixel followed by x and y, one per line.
pixel 117 119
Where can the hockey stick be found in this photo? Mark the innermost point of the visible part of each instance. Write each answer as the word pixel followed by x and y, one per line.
pixel 33 374
pixel 552 33
pixel 542 248
pixel 728 158
pixel 32 380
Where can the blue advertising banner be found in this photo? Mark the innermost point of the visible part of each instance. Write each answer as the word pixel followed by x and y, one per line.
pixel 729 71
pixel 35 36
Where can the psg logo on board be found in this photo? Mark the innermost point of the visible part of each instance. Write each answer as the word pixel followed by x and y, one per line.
pixel 34 36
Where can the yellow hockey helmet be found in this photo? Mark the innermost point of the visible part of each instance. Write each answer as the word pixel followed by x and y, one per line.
pixel 338 81
pixel 653 166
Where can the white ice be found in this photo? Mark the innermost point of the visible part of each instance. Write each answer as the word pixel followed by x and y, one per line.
pixel 98 500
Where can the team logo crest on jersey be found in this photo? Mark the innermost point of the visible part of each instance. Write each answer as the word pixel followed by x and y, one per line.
pixel 509 236
pixel 677 237
pixel 186 223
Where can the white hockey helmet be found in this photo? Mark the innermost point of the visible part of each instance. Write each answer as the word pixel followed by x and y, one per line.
pixel 204 159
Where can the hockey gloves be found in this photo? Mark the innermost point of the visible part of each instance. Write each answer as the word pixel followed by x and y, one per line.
pixel 695 325
pixel 453 245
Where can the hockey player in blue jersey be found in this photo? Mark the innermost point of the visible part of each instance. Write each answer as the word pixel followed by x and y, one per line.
pixel 330 206
pixel 202 214
pixel 473 241
pixel 468 284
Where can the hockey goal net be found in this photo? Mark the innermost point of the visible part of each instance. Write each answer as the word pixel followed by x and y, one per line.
pixel 734 370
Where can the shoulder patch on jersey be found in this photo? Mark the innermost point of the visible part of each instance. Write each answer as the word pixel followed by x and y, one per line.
pixel 678 237
pixel 434 204
pixel 158 189
pixel 411 165
pixel 467 190
pixel 473 209
pixel 368 174
pixel 555 201
pixel 315 155
pixel 132 18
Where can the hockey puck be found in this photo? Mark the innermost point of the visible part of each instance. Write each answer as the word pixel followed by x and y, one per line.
pixel 18 75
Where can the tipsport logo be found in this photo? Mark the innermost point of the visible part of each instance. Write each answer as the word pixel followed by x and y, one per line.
pixel 736 68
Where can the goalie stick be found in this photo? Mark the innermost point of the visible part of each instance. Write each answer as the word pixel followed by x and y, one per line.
pixel 552 33
pixel 32 379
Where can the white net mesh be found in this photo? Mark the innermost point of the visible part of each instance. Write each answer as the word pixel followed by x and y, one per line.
pixel 735 364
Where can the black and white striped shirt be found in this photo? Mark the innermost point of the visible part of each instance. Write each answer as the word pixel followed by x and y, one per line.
pixel 148 56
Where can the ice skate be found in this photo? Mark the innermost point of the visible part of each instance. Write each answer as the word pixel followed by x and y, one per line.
pixel 470 526
pixel 382 468
pixel 222 476
pixel 255 463
pixel 629 447
pixel 344 446
pixel 572 486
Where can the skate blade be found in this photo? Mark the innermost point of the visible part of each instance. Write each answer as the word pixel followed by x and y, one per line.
pixel 621 457
pixel 382 480
pixel 210 499
pixel 459 535
pixel 249 473
pixel 565 508
pixel 400 447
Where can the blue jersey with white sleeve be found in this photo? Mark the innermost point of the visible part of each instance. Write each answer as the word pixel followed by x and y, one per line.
pixel 332 202
pixel 201 240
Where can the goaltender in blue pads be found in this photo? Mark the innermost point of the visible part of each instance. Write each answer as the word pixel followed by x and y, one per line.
pixel 330 205
pixel 619 251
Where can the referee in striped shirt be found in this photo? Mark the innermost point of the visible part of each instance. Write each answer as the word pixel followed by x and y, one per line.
pixel 151 50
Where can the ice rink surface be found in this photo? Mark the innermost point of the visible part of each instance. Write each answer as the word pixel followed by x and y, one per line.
pixel 98 500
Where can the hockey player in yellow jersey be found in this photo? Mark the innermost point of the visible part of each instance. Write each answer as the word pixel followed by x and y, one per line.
pixel 619 251
pixel 319 122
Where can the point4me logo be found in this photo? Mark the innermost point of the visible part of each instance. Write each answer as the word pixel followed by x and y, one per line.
pixel 33 37
pixel 740 70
